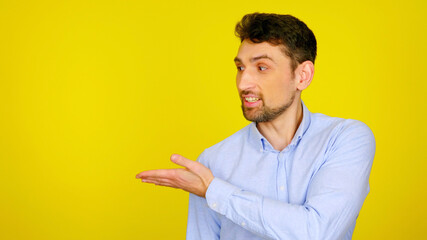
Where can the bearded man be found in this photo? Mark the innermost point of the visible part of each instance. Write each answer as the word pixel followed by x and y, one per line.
pixel 290 174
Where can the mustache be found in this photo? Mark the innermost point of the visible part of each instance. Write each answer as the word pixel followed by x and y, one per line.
pixel 245 92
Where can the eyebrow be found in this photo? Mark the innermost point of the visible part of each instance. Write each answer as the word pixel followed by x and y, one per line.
pixel 254 59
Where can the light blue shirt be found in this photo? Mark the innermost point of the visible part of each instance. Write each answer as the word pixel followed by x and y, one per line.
pixel 313 189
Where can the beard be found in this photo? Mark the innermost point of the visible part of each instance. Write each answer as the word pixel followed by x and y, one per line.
pixel 265 113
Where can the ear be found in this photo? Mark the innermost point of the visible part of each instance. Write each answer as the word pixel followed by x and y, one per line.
pixel 304 74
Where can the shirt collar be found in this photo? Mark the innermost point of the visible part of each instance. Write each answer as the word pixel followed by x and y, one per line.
pixel 261 142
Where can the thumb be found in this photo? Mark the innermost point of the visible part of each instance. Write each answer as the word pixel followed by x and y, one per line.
pixel 181 161
pixel 193 166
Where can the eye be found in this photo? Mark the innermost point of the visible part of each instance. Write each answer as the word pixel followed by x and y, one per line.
pixel 262 68
pixel 240 68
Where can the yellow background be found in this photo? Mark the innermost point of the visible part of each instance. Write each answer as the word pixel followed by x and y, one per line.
pixel 93 92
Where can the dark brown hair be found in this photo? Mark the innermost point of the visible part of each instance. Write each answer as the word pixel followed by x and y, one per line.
pixel 298 40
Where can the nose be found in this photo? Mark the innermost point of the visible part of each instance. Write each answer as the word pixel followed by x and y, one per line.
pixel 245 80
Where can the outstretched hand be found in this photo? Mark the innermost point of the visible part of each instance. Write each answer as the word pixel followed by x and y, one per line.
pixel 194 178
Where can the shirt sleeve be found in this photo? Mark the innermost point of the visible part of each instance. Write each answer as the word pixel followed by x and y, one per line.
pixel 202 222
pixel 334 197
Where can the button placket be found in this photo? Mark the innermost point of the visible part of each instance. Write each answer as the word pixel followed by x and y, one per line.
pixel 281 177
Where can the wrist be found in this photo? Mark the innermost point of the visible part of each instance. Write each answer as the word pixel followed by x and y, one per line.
pixel 207 184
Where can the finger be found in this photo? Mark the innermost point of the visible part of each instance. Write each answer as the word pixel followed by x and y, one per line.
pixel 156 179
pixel 182 161
pixel 160 182
pixel 159 173
pixel 193 166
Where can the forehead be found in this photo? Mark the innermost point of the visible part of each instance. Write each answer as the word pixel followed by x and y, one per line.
pixel 249 50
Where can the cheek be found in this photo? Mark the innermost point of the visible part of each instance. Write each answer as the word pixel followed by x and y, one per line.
pixel 277 92
pixel 275 87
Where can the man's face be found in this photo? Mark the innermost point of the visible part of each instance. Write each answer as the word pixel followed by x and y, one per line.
pixel 265 81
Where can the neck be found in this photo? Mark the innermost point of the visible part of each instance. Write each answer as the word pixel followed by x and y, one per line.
pixel 280 131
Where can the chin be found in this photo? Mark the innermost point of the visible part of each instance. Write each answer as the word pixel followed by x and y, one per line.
pixel 252 115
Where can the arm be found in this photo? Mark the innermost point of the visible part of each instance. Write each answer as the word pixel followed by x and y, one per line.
pixel 334 197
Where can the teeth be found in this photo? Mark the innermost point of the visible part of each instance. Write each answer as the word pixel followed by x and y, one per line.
pixel 251 99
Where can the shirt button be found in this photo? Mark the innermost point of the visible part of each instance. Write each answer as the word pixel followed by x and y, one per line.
pixel 243 224
pixel 213 205
pixel 282 188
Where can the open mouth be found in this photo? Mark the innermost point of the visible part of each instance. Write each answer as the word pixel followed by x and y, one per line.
pixel 251 99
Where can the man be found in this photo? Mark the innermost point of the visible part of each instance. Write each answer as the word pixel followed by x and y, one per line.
pixel 290 174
